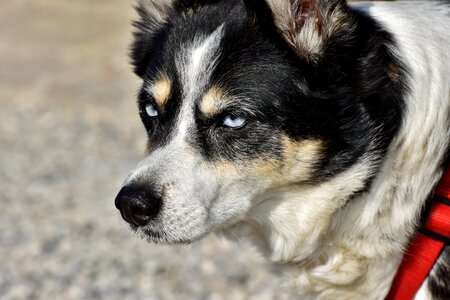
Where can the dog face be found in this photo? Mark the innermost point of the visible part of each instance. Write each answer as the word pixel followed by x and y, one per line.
pixel 240 104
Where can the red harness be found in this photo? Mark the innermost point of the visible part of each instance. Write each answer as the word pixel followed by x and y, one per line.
pixel 426 245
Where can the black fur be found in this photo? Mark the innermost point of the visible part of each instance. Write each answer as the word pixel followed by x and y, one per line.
pixel 351 98
pixel 439 279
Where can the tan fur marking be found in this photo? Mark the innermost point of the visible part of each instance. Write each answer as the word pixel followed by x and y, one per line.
pixel 296 165
pixel 223 166
pixel 300 158
pixel 268 167
pixel 263 167
pixel 213 101
pixel 161 91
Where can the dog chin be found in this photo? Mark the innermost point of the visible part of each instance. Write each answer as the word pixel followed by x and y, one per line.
pixel 163 238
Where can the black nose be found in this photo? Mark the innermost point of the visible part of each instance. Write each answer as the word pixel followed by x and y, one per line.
pixel 138 204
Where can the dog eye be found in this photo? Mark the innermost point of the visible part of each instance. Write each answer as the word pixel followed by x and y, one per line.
pixel 234 121
pixel 151 110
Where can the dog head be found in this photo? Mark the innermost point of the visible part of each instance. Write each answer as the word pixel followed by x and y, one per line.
pixel 243 101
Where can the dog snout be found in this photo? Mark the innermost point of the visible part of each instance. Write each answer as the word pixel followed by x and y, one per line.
pixel 138 204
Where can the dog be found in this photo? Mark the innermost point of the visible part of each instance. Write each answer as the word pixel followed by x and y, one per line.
pixel 317 129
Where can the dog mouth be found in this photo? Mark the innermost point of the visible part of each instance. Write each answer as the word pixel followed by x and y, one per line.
pixel 160 237
pixel 154 237
pixel 151 235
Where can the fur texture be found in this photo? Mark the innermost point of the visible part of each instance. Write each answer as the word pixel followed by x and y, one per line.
pixel 315 128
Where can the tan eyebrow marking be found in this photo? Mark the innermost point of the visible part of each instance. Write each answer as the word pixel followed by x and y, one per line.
pixel 161 90
pixel 213 101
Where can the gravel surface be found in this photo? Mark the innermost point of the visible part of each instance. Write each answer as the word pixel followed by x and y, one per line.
pixel 69 134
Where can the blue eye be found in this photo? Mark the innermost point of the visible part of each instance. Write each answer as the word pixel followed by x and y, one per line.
pixel 234 121
pixel 151 110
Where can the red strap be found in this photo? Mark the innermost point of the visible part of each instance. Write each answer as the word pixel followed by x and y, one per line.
pixel 438 221
pixel 443 188
pixel 416 265
pixel 424 249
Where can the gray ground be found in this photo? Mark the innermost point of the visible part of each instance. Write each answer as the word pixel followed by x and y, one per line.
pixel 69 133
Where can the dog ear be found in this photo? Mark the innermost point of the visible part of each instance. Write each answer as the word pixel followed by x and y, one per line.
pixel 152 16
pixel 308 25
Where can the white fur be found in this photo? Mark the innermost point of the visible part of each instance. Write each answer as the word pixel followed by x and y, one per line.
pixel 423 293
pixel 332 248
pixel 195 66
pixel 382 221
pixel 352 252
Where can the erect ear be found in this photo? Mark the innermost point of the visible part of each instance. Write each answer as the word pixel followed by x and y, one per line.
pixel 153 15
pixel 308 25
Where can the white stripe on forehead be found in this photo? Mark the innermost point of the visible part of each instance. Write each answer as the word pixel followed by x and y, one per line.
pixel 195 65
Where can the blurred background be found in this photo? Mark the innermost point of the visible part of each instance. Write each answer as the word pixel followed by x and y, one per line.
pixel 69 134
